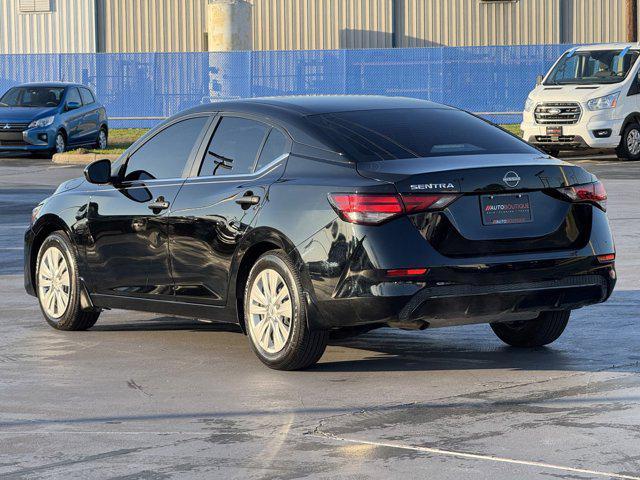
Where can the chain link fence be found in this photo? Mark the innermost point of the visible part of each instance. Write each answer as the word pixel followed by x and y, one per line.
pixel 139 89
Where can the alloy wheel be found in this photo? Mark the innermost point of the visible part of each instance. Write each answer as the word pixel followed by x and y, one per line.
pixel 633 142
pixel 54 282
pixel 270 311
pixel 102 140
pixel 60 144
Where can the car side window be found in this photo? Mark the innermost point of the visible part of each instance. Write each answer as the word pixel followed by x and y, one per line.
pixel 87 96
pixel 166 153
pixel 74 96
pixel 234 147
pixel 275 146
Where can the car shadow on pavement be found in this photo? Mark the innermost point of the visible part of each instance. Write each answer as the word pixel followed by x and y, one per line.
pixel 472 347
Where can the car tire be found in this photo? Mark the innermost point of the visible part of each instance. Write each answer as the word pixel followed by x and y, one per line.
pixel 544 330
pixel 629 148
pixel 275 315
pixel 58 286
pixel 102 142
pixel 60 143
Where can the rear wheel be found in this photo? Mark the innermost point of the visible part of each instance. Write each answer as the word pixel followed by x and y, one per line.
pixel 102 140
pixel 58 286
pixel 533 333
pixel 275 315
pixel 629 148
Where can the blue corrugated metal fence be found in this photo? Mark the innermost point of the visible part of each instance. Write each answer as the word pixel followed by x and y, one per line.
pixel 155 85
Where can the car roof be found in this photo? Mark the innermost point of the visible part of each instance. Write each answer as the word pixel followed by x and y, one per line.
pixel 313 104
pixel 50 84
pixel 608 46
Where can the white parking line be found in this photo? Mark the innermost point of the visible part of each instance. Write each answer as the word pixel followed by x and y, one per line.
pixel 474 456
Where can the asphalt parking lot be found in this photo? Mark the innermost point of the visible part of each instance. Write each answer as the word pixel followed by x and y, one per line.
pixel 146 397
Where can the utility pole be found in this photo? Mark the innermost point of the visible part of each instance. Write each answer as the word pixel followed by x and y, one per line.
pixel 632 20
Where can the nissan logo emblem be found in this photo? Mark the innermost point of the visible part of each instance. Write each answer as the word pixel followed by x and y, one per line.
pixel 511 179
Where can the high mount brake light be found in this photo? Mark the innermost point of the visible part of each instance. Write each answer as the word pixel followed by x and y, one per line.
pixel 594 193
pixel 373 209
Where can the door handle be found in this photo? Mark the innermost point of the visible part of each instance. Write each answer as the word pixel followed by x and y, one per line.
pixel 159 205
pixel 248 199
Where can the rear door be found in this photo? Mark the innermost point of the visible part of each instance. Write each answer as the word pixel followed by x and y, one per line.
pixel 218 204
pixel 127 249
pixel 91 119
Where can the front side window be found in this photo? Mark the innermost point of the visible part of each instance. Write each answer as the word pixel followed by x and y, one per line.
pixel 37 97
pixel 87 96
pixel 234 147
pixel 404 133
pixel 73 96
pixel 598 66
pixel 166 153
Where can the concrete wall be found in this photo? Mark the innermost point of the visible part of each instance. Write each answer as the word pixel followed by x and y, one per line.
pixel 68 27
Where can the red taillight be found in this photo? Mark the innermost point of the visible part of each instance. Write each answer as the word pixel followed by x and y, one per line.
pixel 406 272
pixel 591 192
pixel 609 257
pixel 372 209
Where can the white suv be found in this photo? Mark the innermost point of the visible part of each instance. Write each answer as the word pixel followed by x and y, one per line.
pixel 589 99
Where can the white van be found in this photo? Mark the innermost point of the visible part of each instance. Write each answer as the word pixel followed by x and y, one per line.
pixel 589 99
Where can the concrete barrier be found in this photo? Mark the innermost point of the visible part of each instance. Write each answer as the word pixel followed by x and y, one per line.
pixel 81 158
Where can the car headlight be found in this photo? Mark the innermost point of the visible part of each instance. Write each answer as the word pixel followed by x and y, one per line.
pixel 42 122
pixel 604 103
pixel 528 105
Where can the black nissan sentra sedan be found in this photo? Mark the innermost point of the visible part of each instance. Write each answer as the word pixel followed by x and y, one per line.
pixel 302 217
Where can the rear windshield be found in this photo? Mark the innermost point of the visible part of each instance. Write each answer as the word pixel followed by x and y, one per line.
pixel 32 97
pixel 371 135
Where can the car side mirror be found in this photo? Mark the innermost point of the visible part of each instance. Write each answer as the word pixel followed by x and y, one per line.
pixel 539 80
pixel 72 106
pixel 98 172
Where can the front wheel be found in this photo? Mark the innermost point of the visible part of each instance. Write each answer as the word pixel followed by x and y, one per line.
pixel 544 330
pixel 629 148
pixel 61 143
pixel 275 315
pixel 58 286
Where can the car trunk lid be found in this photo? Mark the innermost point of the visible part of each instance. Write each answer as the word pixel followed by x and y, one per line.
pixel 506 204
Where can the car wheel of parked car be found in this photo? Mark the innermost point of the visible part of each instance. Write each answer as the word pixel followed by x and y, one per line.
pixel 102 141
pixel 58 285
pixel 533 333
pixel 275 315
pixel 61 143
pixel 629 148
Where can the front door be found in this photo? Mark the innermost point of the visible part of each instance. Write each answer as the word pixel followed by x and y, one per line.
pixel 127 248
pixel 217 205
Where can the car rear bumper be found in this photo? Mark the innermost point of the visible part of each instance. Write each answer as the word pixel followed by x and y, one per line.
pixel 500 297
